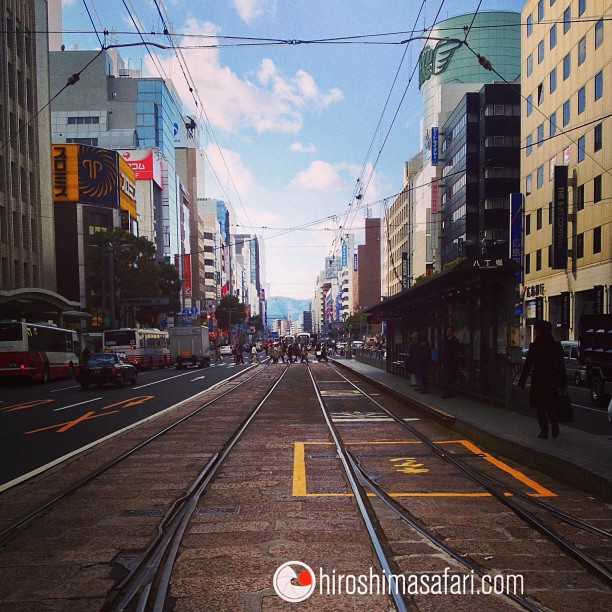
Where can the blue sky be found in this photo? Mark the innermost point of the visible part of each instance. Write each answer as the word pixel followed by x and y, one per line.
pixel 293 129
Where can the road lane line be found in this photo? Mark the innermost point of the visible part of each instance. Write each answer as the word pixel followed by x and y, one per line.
pixel 602 410
pixel 64 389
pixel 79 404
pixel 157 382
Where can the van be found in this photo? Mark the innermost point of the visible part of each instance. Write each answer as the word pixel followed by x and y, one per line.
pixel 576 372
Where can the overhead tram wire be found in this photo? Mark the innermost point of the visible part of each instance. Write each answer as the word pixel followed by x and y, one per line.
pixel 428 37
pixel 92 23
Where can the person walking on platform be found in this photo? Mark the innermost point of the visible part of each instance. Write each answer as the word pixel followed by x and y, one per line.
pixel 422 364
pixel 254 357
pixel 451 348
pixel 324 353
pixel 218 357
pixel 546 358
pixel 304 354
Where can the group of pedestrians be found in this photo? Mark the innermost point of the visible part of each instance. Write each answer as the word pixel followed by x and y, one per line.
pixel 420 357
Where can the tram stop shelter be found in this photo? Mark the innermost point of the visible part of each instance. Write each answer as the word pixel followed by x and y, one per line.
pixel 477 297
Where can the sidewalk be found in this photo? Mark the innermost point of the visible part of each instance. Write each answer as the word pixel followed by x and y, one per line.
pixel 580 459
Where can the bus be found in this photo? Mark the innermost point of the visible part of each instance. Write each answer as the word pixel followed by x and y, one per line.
pixel 145 348
pixel 38 351
pixel 304 338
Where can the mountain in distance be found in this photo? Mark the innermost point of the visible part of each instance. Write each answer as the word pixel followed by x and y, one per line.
pixel 282 307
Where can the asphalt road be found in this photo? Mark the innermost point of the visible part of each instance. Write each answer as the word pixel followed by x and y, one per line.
pixel 40 424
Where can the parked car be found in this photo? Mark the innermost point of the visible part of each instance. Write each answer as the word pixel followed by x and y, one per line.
pixel 226 349
pixel 104 368
pixel 576 372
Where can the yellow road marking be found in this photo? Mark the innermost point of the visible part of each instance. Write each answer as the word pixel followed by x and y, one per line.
pixel 299 472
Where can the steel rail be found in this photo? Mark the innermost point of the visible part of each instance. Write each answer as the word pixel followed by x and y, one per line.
pixel 563 543
pixel 149 580
pixel 360 496
pixel 29 518
pixel 403 514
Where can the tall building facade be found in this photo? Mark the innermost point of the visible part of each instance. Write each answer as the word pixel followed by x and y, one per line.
pixel 27 240
pixel 565 164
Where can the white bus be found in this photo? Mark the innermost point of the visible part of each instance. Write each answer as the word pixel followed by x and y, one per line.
pixel 39 351
pixel 145 348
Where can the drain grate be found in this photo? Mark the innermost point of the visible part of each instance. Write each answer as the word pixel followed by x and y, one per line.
pixel 144 512
pixel 218 510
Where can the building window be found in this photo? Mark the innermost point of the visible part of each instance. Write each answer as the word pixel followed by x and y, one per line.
pixel 540 93
pixel 567 66
pixel 581 51
pixel 597 183
pixel 566 113
pixel 598 33
pixel 581 99
pixel 550 213
pixel 529 64
pixel 83 120
pixel 579 198
pixel 553 37
pixel 598 137
pixel 540 136
pixel 529 105
pixel 92 142
pixel 528 263
pixel 581 148
pixel 597 240
pixel 528 142
pixel 553 80
pixel 540 10
pixel 581 7
pixel 598 85
pixel 528 184
pixel 539 218
pixel 540 176
pixel 579 246
pixel 527 225
pixel 567 19
pixel 550 261
pixel 540 52
pixel 538 259
pixel 529 25
pixel 553 124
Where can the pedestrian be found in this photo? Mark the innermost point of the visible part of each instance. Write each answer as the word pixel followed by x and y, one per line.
pixel 324 353
pixel 411 351
pixel 546 358
pixel 304 354
pixel 271 352
pixel 282 351
pixel 85 354
pixel 422 364
pixel 254 357
pixel 218 358
pixel 451 348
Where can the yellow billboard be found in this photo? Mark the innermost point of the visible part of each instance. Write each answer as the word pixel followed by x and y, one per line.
pixel 127 187
pixel 65 171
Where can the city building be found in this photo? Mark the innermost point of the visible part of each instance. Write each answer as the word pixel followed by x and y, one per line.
pixel 565 178
pixel 27 237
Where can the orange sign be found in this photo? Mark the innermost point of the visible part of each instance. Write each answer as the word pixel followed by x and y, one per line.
pixel 64 165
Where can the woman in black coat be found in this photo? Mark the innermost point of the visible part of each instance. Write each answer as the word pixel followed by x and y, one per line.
pixel 545 357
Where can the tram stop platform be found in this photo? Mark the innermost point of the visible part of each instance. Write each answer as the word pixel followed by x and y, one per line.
pixel 578 458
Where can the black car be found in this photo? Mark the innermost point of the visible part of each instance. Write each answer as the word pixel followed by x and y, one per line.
pixel 102 368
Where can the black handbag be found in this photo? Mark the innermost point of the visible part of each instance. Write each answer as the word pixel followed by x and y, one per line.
pixel 565 410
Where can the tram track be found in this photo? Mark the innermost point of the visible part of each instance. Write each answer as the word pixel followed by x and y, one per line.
pixel 30 517
pixel 490 484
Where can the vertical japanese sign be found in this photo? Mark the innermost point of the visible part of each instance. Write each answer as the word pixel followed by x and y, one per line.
pixel 404 269
pixel 559 226
pixel 355 262
pixel 344 254
pixel 434 196
pixel 565 309
pixel 187 275
pixel 516 232
pixel 434 146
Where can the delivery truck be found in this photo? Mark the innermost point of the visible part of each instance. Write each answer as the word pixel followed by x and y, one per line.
pixel 189 347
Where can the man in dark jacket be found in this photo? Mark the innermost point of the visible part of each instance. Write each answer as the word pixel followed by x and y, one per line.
pixel 545 356
pixel 451 347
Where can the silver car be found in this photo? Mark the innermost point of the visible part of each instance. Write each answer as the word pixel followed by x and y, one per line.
pixel 576 372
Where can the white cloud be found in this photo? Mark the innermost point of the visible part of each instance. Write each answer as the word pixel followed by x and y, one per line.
pixel 229 170
pixel 300 147
pixel 320 176
pixel 249 10
pixel 273 103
